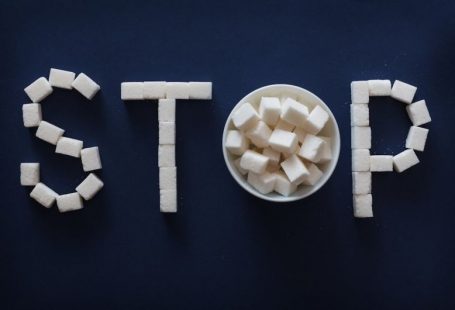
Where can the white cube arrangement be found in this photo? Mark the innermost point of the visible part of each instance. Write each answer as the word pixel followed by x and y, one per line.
pixel 32 117
pixel 166 93
pixel 363 163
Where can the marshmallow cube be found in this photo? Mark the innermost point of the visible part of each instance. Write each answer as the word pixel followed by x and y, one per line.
pixel 61 78
pixel 154 90
pixel 200 90
pixel 236 142
pixel 381 163
pixel 90 186
pixel 325 154
pixel 294 112
pixel 300 133
pixel 360 137
pixel 166 110
pixel 245 116
pixel 360 160
pixel 254 162
pixel 69 146
pixel 168 178
pixel 168 200
pixel 274 156
pixel 86 86
pixel 166 133
pixel 403 92
pixel 379 87
pixel 316 120
pixel 360 114
pixel 295 170
pixel 405 160
pixel 259 134
pixel 270 110
pixel 166 155
pixel 132 90
pixel 417 137
pixel 69 202
pixel 361 183
pixel 90 158
pixel 418 113
pixel 314 176
pixel 311 148
pixel 363 206
pixel 43 195
pixel 29 174
pixel 360 92
pixel 239 168
pixel 283 141
pixel 283 125
pixel 49 133
pixel 282 184
pixel 177 90
pixel 263 183
pixel 38 90
pixel 31 114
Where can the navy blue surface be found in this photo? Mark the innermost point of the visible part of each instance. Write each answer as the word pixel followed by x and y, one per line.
pixel 225 249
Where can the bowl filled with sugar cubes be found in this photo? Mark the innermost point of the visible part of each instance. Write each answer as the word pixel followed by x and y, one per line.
pixel 281 143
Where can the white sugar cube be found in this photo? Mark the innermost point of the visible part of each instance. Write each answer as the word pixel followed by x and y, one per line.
pixel 379 87
pixel 405 160
pixel 311 148
pixel 61 78
pixel 270 110
pixel 154 90
pixel 166 133
pixel 325 154
pixel 360 92
pixel 236 142
pixel 283 141
pixel 418 113
pixel 166 155
pixel 31 114
pixel 360 160
pixel 360 137
pixel 69 202
pixel 90 158
pixel 294 112
pixel 44 195
pixel 86 86
pixel 381 163
pixel 200 90
pixel 259 134
pixel 168 200
pixel 360 114
pixel 417 137
pixel 361 183
pixel 38 90
pixel 69 146
pixel 316 120
pixel 283 125
pixel 90 186
pixel 254 162
pixel 48 132
pixel 168 178
pixel 245 116
pixel 263 183
pixel 315 174
pixel 29 174
pixel 363 206
pixel 274 156
pixel 295 169
pixel 403 92
pixel 300 133
pixel 166 110
pixel 239 168
pixel 132 91
pixel 177 90
pixel 282 184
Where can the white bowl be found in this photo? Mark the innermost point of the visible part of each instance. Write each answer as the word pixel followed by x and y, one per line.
pixel 330 130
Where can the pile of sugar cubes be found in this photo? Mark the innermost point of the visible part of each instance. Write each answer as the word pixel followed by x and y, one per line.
pixel 166 93
pixel 363 163
pixel 90 157
pixel 278 145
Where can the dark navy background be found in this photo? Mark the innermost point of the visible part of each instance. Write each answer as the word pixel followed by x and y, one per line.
pixel 224 249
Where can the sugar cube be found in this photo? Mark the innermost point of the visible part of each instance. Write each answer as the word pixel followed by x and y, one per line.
pixel 360 114
pixel 177 90
pixel 274 156
pixel 43 195
pixel 381 163
pixel 270 110
pixel 166 155
pixel 90 158
pixel 38 90
pixel 360 92
pixel 283 141
pixel 417 137
pixel 236 142
pixel 166 110
pixel 166 132
pixel 168 178
pixel 403 92
pixel 363 206
pixel 418 113
pixel 31 114
pixel 311 148
pixel 300 133
pixel 314 176
pixel 69 146
pixel 239 168
pixel 259 134
pixel 405 160
pixel 282 184
pixel 168 200
pixel 69 202
pixel 86 86
pixel 361 183
pixel 325 154
pixel 154 90
pixel 200 90
pixel 29 174
pixel 90 186
pixel 283 125
pixel 295 169
pixel 245 116
pixel 294 112
pixel 254 162
pixel 316 120
pixel 379 87
pixel 132 91
pixel 48 132
pixel 360 160
pixel 263 183
pixel 360 137
pixel 61 78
